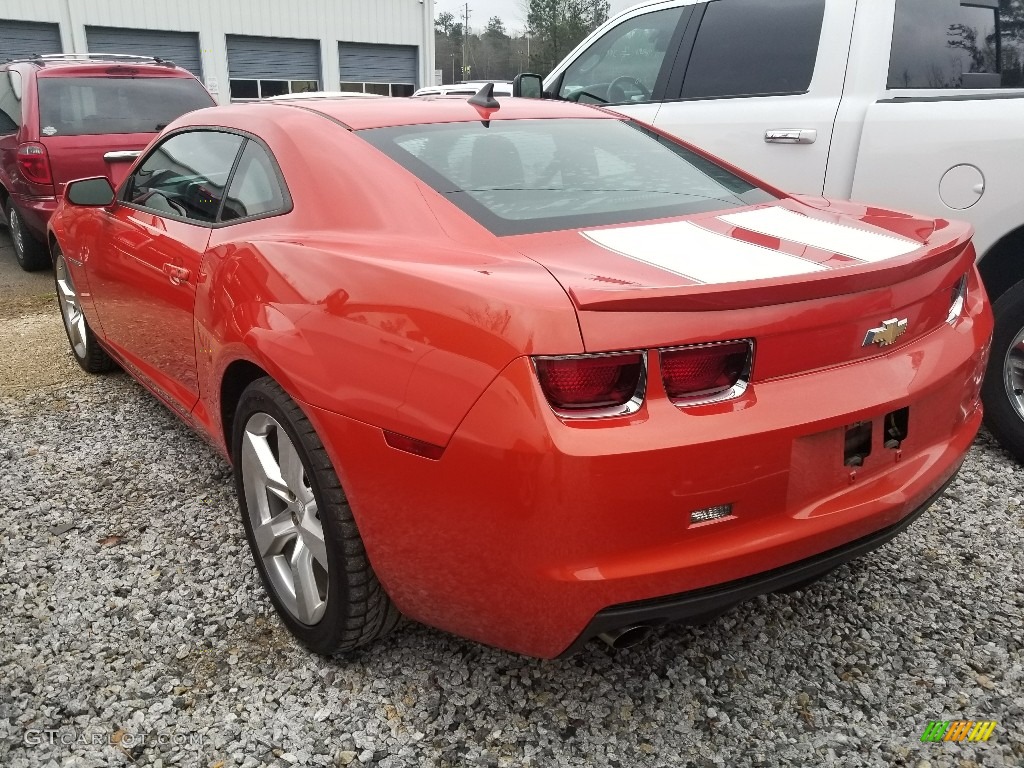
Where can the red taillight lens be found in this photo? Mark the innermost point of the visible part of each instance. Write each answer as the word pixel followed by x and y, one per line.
pixel 34 163
pixel 590 381
pixel 704 371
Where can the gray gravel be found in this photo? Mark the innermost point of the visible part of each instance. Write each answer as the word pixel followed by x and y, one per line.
pixel 131 618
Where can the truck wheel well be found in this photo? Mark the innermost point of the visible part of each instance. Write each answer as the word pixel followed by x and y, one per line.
pixel 239 375
pixel 1002 267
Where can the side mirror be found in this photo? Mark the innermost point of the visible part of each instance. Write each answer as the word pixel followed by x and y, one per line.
pixel 528 86
pixel 95 193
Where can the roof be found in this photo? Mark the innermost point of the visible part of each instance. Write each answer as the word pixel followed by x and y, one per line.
pixel 359 114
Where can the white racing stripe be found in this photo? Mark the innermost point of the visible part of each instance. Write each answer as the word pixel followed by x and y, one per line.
pixel 705 256
pixel 849 241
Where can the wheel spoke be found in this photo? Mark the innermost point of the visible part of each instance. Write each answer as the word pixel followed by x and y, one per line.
pixel 273 535
pixel 308 604
pixel 311 531
pixel 292 472
pixel 264 467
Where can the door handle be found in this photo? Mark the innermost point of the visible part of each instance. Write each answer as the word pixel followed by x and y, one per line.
pixel 177 275
pixel 121 155
pixel 791 136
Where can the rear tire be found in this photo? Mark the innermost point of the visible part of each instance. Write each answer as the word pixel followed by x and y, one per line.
pixel 87 351
pixel 1003 390
pixel 30 253
pixel 300 528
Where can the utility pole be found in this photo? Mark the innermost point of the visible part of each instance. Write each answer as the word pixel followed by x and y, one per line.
pixel 465 38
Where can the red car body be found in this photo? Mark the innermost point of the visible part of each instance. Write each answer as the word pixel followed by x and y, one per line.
pixel 86 141
pixel 410 335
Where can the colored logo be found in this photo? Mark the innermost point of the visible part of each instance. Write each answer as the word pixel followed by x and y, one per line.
pixel 958 730
pixel 887 334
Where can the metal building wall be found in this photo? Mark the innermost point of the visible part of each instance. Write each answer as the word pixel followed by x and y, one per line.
pixel 393 22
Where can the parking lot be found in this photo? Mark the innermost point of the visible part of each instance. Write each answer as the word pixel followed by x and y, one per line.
pixel 136 631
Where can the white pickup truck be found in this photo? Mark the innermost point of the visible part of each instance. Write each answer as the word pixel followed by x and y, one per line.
pixel 916 105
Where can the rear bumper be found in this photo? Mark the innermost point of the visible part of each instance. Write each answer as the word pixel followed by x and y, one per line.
pixel 528 527
pixel 701 605
pixel 36 213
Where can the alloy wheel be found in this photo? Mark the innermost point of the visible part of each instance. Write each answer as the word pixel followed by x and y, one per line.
pixel 17 236
pixel 285 519
pixel 1013 373
pixel 70 309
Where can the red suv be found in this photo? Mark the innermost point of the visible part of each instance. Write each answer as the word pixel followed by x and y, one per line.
pixel 68 116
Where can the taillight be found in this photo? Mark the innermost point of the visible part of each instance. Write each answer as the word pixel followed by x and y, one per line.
pixel 705 372
pixel 593 385
pixel 34 163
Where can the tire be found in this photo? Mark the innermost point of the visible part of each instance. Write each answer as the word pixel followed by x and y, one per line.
pixel 87 351
pixel 1003 390
pixel 301 531
pixel 30 253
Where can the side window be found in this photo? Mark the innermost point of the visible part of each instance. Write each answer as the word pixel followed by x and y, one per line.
pixel 623 65
pixel 754 48
pixel 255 189
pixel 10 101
pixel 185 176
pixel 954 44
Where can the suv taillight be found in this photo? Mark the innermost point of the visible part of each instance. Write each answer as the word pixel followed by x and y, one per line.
pixel 34 163
pixel 592 385
pixel 706 371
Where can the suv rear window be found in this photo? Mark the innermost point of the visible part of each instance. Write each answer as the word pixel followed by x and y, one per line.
pixel 80 106
pixel 522 176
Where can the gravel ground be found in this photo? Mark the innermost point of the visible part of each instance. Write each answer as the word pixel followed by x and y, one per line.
pixel 133 631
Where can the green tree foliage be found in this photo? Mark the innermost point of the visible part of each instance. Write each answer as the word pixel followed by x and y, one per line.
pixel 554 27
pixel 557 26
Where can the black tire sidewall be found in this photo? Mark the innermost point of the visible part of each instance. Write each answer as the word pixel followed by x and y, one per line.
pixel 322 637
pixel 32 256
pixel 1001 418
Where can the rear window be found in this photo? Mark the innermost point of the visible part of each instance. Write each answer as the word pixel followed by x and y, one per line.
pixel 80 106
pixel 522 176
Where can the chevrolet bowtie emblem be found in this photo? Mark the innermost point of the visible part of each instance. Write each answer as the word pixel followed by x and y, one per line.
pixel 887 334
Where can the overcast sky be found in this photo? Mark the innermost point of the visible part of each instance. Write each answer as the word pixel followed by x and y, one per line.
pixel 512 12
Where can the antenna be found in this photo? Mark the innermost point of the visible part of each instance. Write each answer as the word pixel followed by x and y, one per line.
pixel 485 98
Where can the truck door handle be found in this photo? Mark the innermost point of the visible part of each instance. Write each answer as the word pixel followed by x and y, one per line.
pixel 177 275
pixel 791 136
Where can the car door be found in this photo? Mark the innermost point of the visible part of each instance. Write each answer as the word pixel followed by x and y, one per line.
pixel 759 84
pixel 625 67
pixel 144 277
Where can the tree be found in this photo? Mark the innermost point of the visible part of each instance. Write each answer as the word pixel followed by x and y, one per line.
pixel 495 29
pixel 557 26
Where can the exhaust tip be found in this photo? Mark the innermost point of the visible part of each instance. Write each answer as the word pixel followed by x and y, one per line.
pixel 626 637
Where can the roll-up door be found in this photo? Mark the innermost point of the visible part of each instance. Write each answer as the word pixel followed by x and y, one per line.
pixel 21 39
pixel 270 66
pixel 387 69
pixel 180 47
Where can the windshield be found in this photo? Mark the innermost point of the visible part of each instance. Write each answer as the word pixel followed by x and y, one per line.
pixel 81 106
pixel 521 176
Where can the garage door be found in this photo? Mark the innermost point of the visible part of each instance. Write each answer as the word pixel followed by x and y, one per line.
pixel 21 39
pixel 180 47
pixel 389 70
pixel 271 66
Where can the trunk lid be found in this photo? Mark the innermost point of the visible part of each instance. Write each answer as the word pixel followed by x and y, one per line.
pixel 839 270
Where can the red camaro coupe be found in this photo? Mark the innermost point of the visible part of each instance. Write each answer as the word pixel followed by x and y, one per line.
pixel 526 371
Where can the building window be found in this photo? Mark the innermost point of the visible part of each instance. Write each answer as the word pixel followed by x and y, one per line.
pixel 253 90
pixel 381 89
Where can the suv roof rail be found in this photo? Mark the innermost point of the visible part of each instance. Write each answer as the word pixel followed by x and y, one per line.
pixel 55 58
